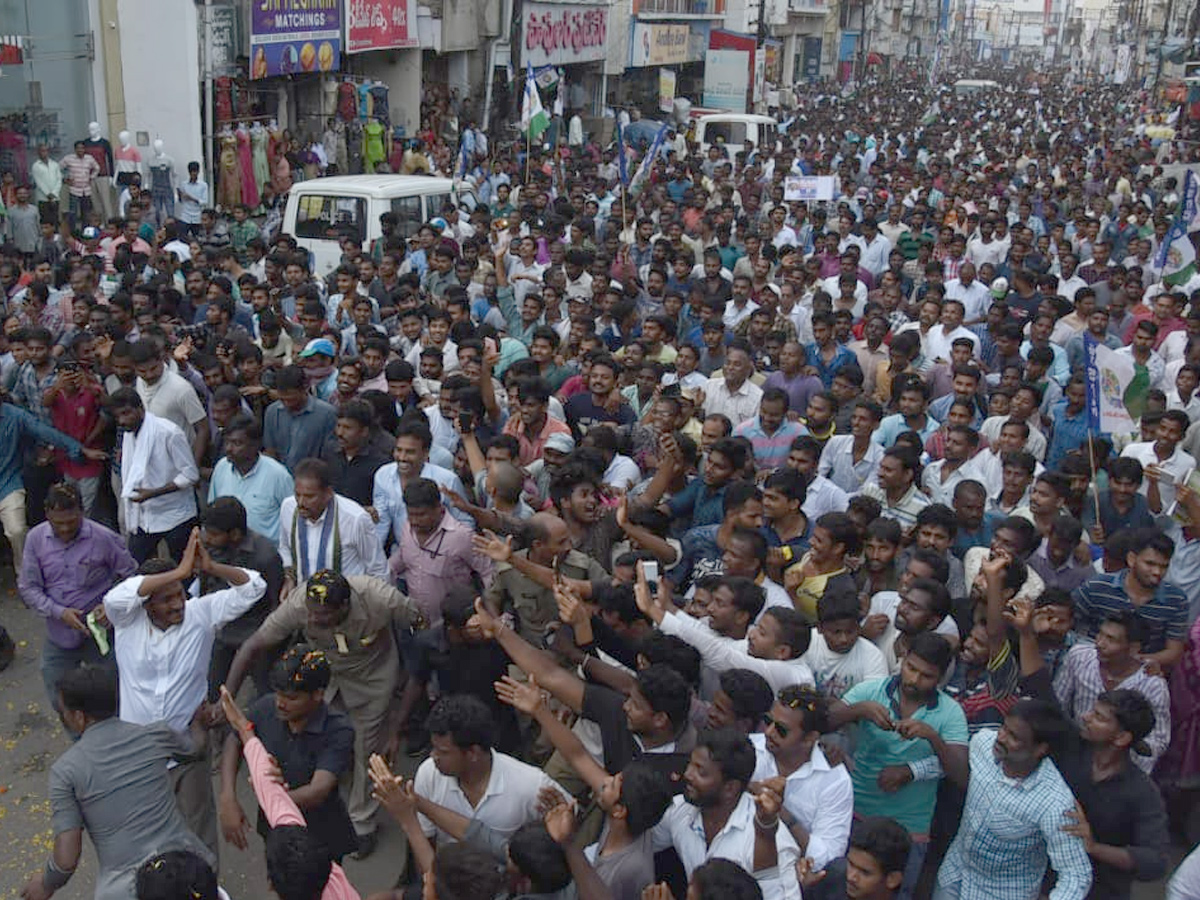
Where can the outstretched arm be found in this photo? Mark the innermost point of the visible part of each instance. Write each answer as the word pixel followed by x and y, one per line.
pixel 527 698
pixel 563 685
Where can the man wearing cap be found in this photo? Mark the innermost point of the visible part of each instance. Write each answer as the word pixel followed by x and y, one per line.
pixel 313 745
pixel 317 359
pixel 353 622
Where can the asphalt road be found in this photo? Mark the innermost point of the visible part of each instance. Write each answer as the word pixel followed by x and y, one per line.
pixel 31 738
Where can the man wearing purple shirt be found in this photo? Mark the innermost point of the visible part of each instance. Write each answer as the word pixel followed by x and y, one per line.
pixel 68 565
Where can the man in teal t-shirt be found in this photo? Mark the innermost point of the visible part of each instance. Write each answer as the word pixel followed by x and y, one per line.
pixel 909 735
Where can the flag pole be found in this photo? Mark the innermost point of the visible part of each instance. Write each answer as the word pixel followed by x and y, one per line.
pixel 1095 486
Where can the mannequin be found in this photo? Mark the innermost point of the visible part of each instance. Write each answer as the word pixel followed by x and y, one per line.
pixel 258 146
pixel 162 183
pixel 98 147
pixel 128 159
pixel 229 168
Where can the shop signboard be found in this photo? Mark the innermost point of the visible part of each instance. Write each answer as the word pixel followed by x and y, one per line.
pixel 666 90
pixel 289 37
pixel 381 25
pixel 726 79
pixel 561 35
pixel 659 45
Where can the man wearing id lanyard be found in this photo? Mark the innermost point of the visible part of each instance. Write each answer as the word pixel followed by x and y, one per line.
pixel 353 622
pixel 319 529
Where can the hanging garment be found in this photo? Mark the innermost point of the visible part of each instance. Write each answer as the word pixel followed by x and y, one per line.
pixel 258 147
pixel 374 151
pixel 341 155
pixel 162 187
pixel 379 104
pixel 329 146
pixel 246 165
pixel 354 147
pixel 224 99
pixel 347 104
pixel 365 101
pixel 229 184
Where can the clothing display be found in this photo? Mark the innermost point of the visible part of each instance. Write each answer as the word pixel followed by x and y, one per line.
pixel 374 151
pixel 246 164
pixel 162 187
pixel 258 153
pixel 229 173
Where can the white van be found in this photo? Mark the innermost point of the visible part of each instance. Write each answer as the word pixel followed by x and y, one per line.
pixel 733 129
pixel 319 210
pixel 966 86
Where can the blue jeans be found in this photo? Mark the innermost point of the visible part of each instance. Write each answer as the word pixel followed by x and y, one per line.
pixel 58 661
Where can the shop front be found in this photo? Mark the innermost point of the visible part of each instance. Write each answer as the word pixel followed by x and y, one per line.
pixel 666 60
pixel 574 39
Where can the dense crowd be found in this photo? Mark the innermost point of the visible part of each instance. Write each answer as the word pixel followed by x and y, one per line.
pixel 701 542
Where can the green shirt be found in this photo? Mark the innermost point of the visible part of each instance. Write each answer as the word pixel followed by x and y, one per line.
pixel 912 805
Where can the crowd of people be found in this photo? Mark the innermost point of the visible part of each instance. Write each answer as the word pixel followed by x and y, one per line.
pixel 696 541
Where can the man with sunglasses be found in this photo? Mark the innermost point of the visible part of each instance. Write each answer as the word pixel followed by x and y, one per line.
pixel 818 799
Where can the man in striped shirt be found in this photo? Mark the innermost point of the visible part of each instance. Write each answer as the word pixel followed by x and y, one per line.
pixel 1162 608
pixel 770 433
pixel 79 171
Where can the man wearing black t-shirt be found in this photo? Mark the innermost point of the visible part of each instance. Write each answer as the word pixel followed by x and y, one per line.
pixel 601 403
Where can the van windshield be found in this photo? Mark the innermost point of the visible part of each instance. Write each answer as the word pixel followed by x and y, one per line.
pixel 327 217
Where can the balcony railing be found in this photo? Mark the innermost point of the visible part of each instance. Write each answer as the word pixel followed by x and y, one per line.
pixel 680 7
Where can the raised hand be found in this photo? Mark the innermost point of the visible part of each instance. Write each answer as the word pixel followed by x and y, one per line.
pixel 235 717
pixel 560 822
pixel 493 547
pixel 524 697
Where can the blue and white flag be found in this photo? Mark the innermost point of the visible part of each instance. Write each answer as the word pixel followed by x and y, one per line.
pixel 652 153
pixel 1176 257
pixel 1189 206
pixel 1110 378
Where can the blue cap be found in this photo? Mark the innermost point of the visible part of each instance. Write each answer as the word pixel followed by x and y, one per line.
pixel 323 346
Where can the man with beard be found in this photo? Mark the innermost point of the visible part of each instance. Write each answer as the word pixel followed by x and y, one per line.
pixel 1113 662
pixel 717 817
pixel 353 621
pixel 353 462
pixel 410 463
pixel 818 797
pixel 1016 815
pixel 163 645
pixel 601 402
pixel 1121 506
pixel 320 530
pixel 921 604
pixel 1163 608
pixel 260 482
pixel 1119 813
pixel 904 720
pixel 852 460
pixel 297 425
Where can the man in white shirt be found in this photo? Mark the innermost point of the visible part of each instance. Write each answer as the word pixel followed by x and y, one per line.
pixel 972 293
pixel 411 462
pixel 163 645
pixel 465 774
pixel 1164 462
pixel 818 799
pixel 956 465
pixel 158 478
pixel 876 248
pixel 942 336
pixel 320 530
pixel 715 801
pixel 170 396
pixel 734 394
